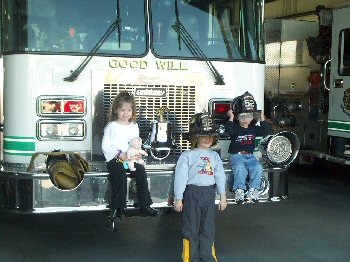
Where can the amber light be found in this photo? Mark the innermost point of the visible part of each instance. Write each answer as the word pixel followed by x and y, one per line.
pixel 50 106
pixel 221 108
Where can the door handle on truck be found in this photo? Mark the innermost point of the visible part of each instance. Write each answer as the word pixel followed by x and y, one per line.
pixel 325 73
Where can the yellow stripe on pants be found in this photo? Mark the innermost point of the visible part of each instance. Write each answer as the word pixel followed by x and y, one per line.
pixel 186 251
pixel 214 253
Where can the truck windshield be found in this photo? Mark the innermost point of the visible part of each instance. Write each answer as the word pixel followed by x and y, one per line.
pixel 73 26
pixel 222 29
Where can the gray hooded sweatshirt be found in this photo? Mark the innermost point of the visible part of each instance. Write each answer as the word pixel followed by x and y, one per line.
pixel 200 167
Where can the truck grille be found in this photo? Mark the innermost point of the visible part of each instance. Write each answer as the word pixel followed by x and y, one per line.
pixel 180 100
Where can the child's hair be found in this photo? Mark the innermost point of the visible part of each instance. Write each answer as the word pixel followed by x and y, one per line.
pixel 122 97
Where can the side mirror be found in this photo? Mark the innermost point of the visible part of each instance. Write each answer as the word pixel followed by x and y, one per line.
pixel 280 149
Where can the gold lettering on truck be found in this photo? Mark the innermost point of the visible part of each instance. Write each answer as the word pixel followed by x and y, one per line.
pixel 170 65
pixel 133 64
pixel 164 65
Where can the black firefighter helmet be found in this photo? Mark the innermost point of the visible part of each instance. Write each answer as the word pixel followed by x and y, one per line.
pixel 244 104
pixel 202 124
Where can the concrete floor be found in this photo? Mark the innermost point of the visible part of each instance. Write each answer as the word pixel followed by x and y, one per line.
pixel 312 225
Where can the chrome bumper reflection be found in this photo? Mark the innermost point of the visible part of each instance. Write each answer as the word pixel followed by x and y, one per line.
pixel 34 192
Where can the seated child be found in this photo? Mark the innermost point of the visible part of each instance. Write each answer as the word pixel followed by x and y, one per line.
pixel 242 132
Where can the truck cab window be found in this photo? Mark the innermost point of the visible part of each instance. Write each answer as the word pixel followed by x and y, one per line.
pixel 344 52
pixel 222 29
pixel 47 26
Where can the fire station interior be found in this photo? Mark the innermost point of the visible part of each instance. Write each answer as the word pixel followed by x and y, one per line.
pixel 311 224
pixel 297 74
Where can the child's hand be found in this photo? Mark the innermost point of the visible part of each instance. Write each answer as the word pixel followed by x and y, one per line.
pixel 178 205
pixel 137 157
pixel 230 115
pixel 222 203
pixel 123 156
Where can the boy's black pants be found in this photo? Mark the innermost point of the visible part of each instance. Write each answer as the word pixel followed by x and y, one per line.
pixel 118 178
pixel 199 223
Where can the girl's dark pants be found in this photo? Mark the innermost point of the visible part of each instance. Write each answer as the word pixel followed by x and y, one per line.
pixel 118 178
pixel 198 221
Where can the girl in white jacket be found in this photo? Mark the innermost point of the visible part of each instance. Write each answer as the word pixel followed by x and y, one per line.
pixel 119 131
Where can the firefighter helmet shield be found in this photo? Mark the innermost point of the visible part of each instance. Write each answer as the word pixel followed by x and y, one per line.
pixel 202 124
pixel 244 104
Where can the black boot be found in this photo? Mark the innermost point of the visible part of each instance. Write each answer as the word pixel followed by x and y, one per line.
pixel 149 211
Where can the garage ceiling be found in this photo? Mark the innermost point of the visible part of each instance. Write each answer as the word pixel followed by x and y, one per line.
pixel 298 9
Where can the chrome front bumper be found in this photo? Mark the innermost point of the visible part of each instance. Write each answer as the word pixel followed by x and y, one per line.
pixel 25 192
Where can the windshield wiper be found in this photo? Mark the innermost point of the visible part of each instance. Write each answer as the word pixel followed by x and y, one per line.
pixel 194 48
pixel 74 74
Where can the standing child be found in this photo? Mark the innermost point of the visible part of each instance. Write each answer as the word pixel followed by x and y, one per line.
pixel 242 134
pixel 198 174
pixel 119 131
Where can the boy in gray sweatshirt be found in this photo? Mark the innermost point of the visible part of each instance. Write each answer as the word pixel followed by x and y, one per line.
pixel 198 175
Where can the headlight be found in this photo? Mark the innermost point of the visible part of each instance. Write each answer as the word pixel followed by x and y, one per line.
pixel 50 129
pixel 74 130
pixel 53 130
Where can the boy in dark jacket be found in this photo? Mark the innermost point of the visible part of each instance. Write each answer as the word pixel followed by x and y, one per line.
pixel 242 132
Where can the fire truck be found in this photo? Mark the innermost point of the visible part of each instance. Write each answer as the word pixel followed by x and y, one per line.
pixel 308 84
pixel 64 62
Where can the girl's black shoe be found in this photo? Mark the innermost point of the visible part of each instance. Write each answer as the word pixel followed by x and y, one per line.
pixel 149 211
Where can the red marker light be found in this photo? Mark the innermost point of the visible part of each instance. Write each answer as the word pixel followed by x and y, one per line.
pixel 221 108
pixel 74 107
